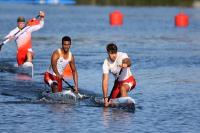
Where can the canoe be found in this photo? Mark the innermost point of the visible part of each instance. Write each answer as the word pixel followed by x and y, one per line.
pixel 26 68
pixel 66 96
pixel 122 102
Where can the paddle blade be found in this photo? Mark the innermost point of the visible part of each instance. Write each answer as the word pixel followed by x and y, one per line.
pixel 33 22
pixel 0 47
pixel 67 73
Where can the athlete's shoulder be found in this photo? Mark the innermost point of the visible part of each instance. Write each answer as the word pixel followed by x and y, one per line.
pixel 70 53
pixel 105 66
pixel 56 52
pixel 106 60
pixel 15 30
pixel 122 54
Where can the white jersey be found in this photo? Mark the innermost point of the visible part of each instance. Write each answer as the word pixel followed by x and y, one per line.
pixel 113 67
pixel 61 63
pixel 23 38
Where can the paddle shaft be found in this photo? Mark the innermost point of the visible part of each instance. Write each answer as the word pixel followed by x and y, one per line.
pixel 69 85
pixel 115 83
pixel 6 40
pixel 78 94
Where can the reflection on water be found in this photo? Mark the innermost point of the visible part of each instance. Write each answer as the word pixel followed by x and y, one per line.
pixel 113 116
pixel 23 77
pixel 60 108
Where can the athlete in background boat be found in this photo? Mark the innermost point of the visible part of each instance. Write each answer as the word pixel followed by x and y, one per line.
pixel 114 63
pixel 23 38
pixel 60 59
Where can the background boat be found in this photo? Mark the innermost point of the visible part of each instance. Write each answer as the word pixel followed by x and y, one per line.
pixel 39 1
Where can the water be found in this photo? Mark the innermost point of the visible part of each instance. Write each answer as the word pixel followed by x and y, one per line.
pixel 166 64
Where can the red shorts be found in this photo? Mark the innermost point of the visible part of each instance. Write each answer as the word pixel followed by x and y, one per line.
pixel 22 56
pixel 116 91
pixel 48 76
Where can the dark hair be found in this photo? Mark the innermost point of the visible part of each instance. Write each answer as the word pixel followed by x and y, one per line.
pixel 111 48
pixel 66 38
pixel 21 19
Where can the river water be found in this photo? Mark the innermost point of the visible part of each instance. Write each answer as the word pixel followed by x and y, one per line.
pixel 166 64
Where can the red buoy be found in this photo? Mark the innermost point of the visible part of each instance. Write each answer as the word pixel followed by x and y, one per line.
pixel 181 20
pixel 116 18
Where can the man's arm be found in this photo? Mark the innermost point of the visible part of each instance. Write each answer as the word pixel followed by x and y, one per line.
pixel 105 78
pixel 54 59
pixel 11 35
pixel 40 25
pixel 74 73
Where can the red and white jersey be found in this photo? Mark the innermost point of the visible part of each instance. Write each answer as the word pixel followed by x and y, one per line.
pixel 113 67
pixel 23 38
pixel 61 63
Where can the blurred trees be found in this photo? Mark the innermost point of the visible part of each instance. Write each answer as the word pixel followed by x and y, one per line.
pixel 137 2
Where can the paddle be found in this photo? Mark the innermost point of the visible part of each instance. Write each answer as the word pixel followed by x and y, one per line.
pixel 2 43
pixel 72 88
pixel 22 31
pixel 115 83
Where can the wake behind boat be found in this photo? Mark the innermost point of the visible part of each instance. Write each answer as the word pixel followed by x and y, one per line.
pixel 127 103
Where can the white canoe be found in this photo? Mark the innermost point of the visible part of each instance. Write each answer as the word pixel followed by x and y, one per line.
pixel 26 68
pixel 122 102
pixel 66 96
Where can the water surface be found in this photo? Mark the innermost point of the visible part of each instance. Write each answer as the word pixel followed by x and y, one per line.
pixel 166 64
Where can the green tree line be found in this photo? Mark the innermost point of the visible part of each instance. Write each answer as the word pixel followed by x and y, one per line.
pixel 137 2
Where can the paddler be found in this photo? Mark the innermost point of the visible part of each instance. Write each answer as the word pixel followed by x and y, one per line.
pixel 60 59
pixel 118 63
pixel 22 36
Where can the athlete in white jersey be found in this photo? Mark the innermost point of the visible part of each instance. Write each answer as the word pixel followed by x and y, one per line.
pixel 118 64
pixel 23 38
pixel 59 61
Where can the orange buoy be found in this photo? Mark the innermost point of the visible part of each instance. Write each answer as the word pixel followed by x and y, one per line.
pixel 116 18
pixel 181 20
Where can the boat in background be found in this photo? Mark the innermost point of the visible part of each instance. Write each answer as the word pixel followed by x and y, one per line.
pixel 70 2
pixel 54 1
pixel 26 68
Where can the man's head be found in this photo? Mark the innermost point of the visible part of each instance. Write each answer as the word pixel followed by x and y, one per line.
pixel 111 48
pixel 21 22
pixel 112 51
pixel 66 43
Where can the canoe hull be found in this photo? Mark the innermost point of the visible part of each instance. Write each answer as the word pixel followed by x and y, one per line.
pixel 122 102
pixel 66 96
pixel 26 68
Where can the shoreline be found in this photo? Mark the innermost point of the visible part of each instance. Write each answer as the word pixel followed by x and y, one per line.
pixel 185 3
